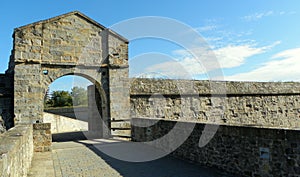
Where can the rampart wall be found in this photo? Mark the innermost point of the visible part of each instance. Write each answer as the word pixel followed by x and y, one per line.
pixel 16 149
pixel 17 146
pixel 252 128
pixel 80 113
pixel 262 104
pixel 60 124
pixel 242 151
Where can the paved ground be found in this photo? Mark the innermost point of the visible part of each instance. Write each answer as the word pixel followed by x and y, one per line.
pixel 85 158
pixel 42 165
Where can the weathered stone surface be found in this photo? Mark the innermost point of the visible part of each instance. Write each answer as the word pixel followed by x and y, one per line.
pixel 80 113
pixel 2 123
pixel 60 124
pixel 239 103
pixel 16 151
pixel 252 115
pixel 42 138
pixel 65 45
pixel 119 94
pixel 188 87
pixel 233 149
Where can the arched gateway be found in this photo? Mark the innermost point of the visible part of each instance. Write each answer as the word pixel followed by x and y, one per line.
pixel 64 45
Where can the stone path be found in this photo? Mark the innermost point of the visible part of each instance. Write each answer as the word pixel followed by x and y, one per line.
pixel 84 158
pixel 42 165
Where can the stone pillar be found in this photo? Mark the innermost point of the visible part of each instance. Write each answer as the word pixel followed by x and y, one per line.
pixel 97 125
pixel 26 63
pixel 42 138
pixel 119 88
pixel 28 93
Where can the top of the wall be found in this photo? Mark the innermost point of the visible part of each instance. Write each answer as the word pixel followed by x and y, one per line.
pixel 205 87
pixel 78 14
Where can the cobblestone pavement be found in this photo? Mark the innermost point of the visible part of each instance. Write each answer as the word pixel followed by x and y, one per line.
pixel 84 159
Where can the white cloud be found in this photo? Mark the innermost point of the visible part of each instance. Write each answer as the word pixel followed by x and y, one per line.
pixel 186 66
pixel 183 69
pixel 284 67
pixel 233 56
pixel 282 13
pixel 206 28
pixel 260 15
pixel 257 16
pixel 213 39
pixel 287 13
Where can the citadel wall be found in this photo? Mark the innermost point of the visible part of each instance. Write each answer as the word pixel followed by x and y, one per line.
pixel 241 128
pixel 261 104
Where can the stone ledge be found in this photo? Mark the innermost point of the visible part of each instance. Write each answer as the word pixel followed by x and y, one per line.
pixel 16 151
pixel 143 86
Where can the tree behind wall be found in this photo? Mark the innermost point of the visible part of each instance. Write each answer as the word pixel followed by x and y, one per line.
pixel 77 97
pixel 61 99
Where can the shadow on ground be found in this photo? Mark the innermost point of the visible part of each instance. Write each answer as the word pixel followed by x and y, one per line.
pixel 68 136
pixel 167 166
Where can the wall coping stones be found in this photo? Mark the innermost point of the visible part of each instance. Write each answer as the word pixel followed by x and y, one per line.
pixel 142 86
pixel 185 120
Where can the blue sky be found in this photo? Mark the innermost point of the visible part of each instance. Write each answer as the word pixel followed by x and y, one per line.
pixel 252 40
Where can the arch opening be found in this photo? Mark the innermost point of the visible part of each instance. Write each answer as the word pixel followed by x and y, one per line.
pixel 75 106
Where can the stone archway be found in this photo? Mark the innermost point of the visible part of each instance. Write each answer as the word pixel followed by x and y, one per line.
pixel 63 45
pixel 96 113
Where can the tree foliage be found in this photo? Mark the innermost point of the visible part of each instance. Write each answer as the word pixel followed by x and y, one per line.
pixel 77 97
pixel 61 99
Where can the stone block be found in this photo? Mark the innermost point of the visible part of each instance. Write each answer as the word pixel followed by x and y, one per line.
pixel 42 138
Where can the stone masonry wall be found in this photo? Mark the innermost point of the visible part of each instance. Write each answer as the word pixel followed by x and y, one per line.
pixel 61 124
pixel 70 44
pixel 242 151
pixel 56 47
pixel 80 113
pixel 16 151
pixel 231 103
pixel 42 138
pixel 97 125
pixel 119 88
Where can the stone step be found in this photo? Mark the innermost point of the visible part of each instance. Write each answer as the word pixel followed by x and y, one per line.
pixel 125 133
pixel 121 124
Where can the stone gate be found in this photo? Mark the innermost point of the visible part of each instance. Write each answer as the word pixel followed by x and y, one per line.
pixel 70 44
pixel 258 128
